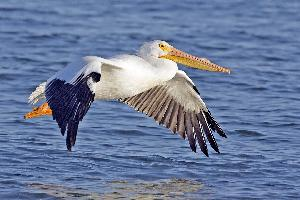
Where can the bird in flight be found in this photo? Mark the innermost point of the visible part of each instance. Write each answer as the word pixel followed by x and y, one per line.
pixel 150 82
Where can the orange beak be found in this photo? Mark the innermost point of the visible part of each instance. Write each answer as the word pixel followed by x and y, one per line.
pixel 192 61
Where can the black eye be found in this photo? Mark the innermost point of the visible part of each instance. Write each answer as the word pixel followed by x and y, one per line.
pixel 161 45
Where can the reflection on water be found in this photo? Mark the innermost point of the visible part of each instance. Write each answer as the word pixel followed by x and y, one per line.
pixel 163 189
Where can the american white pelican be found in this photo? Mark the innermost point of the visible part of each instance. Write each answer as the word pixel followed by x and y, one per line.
pixel 150 82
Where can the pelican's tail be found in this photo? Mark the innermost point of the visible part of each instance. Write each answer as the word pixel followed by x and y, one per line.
pixel 37 94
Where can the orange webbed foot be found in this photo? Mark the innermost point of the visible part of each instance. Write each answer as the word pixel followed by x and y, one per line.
pixel 42 110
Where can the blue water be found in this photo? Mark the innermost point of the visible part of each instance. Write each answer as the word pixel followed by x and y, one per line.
pixel 258 105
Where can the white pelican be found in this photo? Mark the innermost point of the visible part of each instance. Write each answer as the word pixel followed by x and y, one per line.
pixel 150 82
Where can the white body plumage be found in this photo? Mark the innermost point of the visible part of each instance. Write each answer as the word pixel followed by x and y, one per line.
pixel 150 82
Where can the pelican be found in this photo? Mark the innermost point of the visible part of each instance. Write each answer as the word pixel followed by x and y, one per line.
pixel 150 82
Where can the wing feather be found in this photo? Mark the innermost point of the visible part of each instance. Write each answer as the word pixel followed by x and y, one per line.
pixel 177 105
pixel 189 131
pixel 148 98
pixel 166 118
pixel 210 137
pixel 174 117
pixel 199 134
pixel 158 104
pixel 163 109
pixel 181 125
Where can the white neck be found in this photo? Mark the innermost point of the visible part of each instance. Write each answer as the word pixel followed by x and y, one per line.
pixel 165 69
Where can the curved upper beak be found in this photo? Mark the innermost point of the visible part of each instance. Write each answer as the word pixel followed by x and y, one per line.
pixel 193 61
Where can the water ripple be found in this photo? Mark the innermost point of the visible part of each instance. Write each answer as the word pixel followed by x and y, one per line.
pixel 123 154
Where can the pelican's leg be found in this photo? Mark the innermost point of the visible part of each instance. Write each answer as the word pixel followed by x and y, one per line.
pixel 44 109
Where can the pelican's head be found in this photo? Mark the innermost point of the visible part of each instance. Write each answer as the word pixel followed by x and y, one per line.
pixel 163 50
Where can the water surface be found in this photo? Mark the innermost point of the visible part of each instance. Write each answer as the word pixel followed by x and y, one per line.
pixel 257 105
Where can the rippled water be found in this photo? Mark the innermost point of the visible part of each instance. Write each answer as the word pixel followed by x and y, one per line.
pixel 258 104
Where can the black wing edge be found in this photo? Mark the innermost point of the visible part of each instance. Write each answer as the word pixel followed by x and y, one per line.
pixel 214 124
pixel 199 127
pixel 69 103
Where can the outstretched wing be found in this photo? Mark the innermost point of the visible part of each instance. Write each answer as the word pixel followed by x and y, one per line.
pixel 70 93
pixel 177 105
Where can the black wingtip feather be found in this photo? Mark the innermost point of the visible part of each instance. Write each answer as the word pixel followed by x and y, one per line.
pixel 214 125
pixel 62 130
pixel 206 153
pixel 189 131
pixel 199 134
pixel 69 103
pixel 207 131
pixel 204 150
pixel 193 148
pixel 68 143
pixel 69 147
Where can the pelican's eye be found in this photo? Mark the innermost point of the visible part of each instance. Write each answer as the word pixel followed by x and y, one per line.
pixel 161 45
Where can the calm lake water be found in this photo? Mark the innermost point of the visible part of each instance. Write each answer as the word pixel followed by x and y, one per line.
pixel 121 153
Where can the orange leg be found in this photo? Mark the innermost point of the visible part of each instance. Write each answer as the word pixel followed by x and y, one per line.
pixel 44 109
